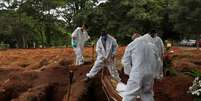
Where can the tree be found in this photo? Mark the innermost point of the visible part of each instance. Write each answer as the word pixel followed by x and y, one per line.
pixel 32 20
pixel 187 16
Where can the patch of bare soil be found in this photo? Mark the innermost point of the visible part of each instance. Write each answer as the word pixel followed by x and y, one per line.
pixel 33 85
pixel 43 75
pixel 39 74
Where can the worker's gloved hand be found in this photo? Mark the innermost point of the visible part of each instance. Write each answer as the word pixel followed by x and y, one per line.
pixel 160 76
pixel 105 61
pixel 86 79
pixel 74 46
pixel 113 56
pixel 74 43
pixel 102 58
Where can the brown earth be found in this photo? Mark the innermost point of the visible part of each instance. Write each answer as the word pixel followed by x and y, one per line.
pixel 38 74
pixel 43 75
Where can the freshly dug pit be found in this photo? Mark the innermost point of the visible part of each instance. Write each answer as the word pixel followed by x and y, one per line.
pixel 94 91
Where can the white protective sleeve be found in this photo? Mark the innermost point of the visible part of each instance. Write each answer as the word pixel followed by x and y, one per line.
pixel 75 33
pixel 159 44
pixel 85 37
pixel 99 49
pixel 126 61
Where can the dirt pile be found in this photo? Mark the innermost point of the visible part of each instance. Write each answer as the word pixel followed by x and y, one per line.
pixel 173 88
pixel 186 59
pixel 49 84
pixel 40 74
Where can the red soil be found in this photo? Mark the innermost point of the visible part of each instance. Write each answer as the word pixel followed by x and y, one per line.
pixel 37 74
pixel 42 74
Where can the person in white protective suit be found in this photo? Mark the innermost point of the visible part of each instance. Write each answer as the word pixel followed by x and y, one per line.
pixel 135 35
pixel 140 62
pixel 161 50
pixel 79 37
pixel 106 48
pixel 125 61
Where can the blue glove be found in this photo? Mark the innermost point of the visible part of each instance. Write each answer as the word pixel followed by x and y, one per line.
pixel 113 49
pixel 74 43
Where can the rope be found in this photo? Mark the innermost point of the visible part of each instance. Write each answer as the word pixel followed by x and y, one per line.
pixel 71 74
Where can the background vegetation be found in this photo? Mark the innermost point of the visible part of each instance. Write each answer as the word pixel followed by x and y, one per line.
pixel 45 23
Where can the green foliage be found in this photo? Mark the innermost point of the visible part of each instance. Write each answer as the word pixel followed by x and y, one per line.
pixel 187 16
pixel 30 21
pixel 24 22
pixel 194 73
pixel 3 46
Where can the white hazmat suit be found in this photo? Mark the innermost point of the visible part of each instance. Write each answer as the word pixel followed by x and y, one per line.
pixel 161 50
pixel 105 57
pixel 79 38
pixel 159 44
pixel 140 63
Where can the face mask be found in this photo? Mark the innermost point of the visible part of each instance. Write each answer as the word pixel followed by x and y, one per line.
pixel 104 37
pixel 103 34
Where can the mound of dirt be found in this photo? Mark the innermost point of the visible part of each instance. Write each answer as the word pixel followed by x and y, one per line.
pixel 173 88
pixel 186 59
pixel 32 85
pixel 40 74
